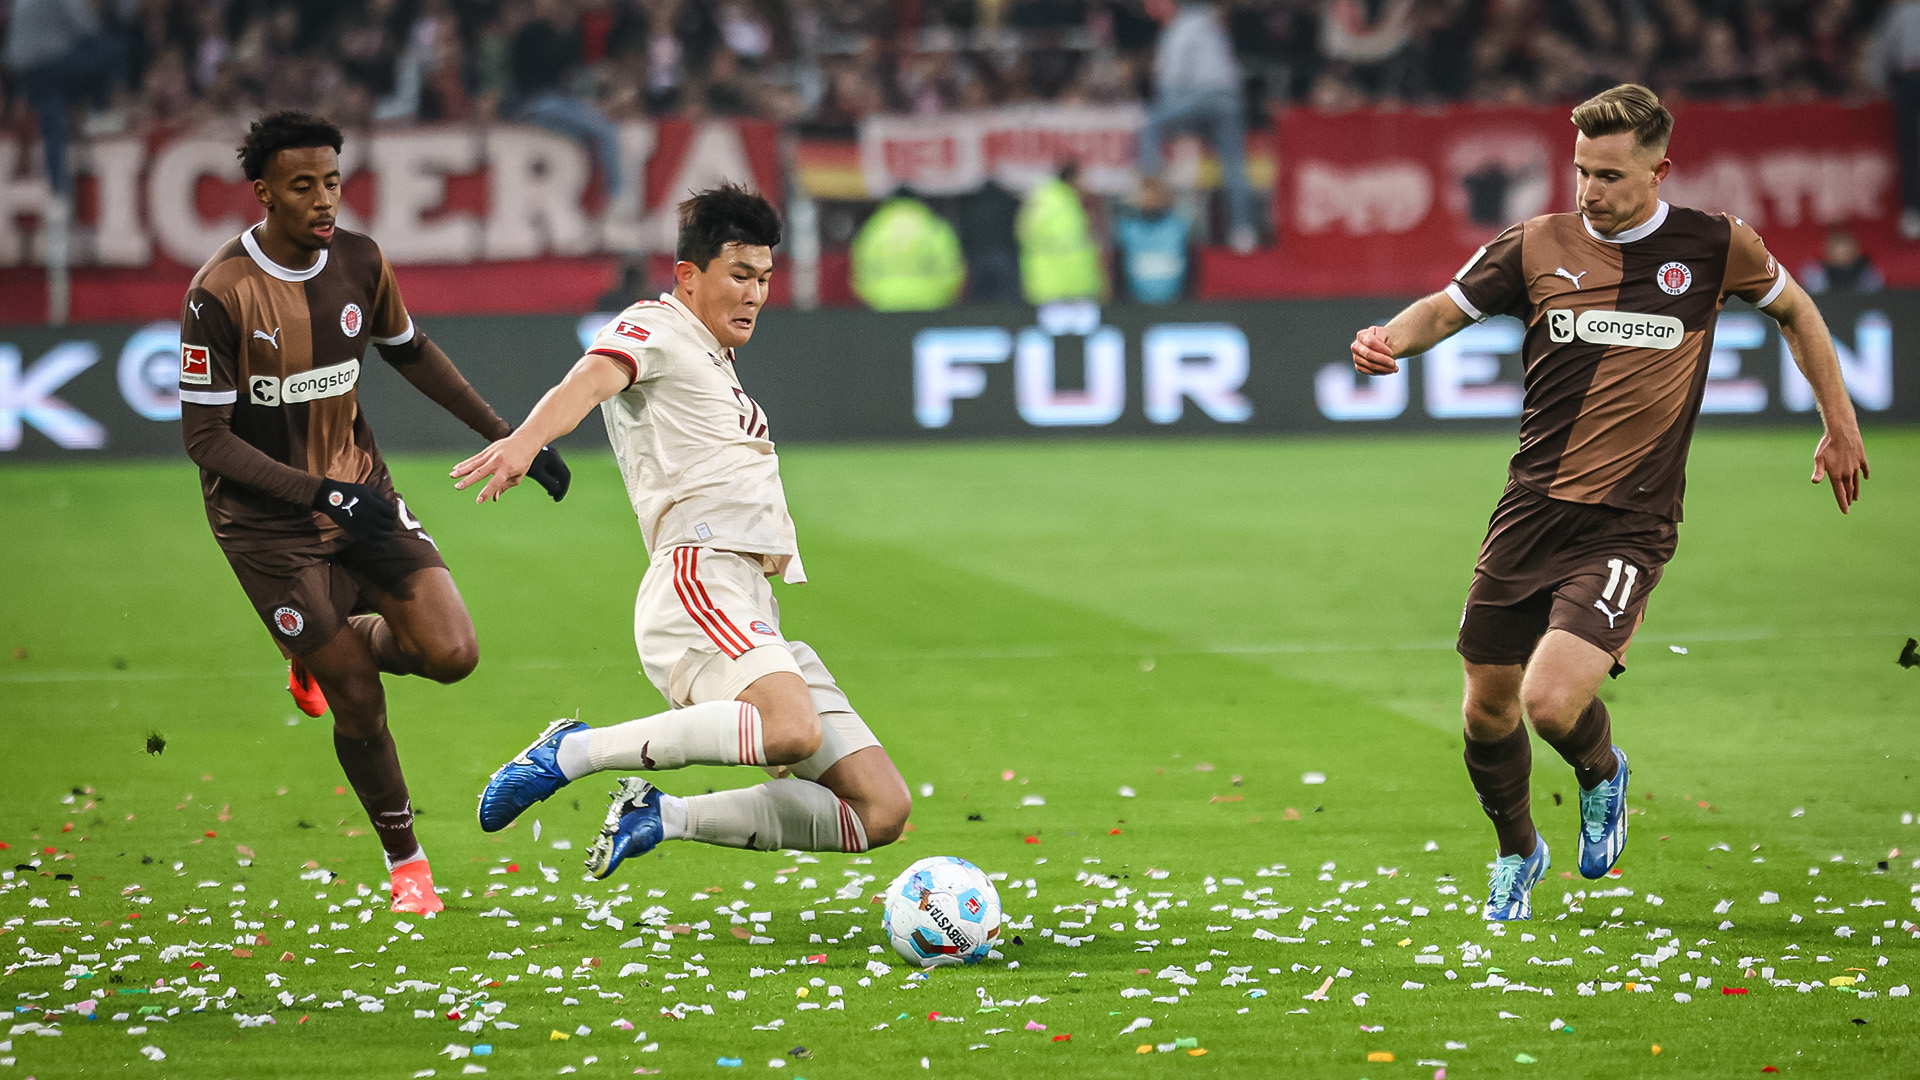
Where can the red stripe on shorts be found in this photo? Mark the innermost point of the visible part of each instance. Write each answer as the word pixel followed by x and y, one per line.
pixel 685 561
pixel 712 608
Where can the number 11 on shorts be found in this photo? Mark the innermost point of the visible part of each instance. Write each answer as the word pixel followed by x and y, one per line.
pixel 1621 575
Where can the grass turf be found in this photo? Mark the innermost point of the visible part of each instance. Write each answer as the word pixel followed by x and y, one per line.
pixel 1201 622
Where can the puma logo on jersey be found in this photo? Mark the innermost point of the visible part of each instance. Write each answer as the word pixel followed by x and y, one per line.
pixel 272 339
pixel 1609 612
pixel 1561 271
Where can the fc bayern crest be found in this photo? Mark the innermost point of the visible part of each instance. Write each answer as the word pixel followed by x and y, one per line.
pixel 289 621
pixel 351 320
pixel 1674 278
pixel 759 627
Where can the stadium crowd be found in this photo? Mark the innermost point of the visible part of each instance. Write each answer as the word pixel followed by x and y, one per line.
pixel 825 64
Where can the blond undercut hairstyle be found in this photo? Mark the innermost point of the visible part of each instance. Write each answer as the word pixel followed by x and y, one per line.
pixel 1627 108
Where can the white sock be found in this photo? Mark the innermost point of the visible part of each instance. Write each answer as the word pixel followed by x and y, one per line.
pixel 571 755
pixel 419 855
pixel 785 813
pixel 673 817
pixel 710 733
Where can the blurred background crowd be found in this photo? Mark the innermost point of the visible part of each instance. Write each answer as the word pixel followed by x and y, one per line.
pixel 825 64
pixel 820 68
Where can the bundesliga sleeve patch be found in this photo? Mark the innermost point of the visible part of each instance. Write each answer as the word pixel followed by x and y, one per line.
pixel 626 329
pixel 194 365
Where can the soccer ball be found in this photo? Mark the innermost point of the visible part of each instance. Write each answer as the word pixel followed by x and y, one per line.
pixel 942 911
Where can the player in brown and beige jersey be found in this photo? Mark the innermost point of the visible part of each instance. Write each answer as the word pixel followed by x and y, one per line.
pixel 273 333
pixel 1620 301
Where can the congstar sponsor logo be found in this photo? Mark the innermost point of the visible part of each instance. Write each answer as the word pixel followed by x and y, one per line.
pixel 1616 328
pixel 326 382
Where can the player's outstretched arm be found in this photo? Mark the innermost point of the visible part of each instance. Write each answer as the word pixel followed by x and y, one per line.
pixel 1841 457
pixel 594 379
pixel 1424 324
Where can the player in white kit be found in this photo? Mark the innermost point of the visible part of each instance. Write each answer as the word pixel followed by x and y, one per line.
pixel 704 480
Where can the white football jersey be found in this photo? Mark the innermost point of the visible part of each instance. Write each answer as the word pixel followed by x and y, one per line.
pixel 693 448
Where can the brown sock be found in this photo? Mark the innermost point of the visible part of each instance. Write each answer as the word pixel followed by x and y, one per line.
pixel 373 768
pixel 1588 747
pixel 380 642
pixel 1502 772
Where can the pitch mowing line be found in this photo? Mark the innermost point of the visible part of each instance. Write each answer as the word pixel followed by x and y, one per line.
pixel 1281 648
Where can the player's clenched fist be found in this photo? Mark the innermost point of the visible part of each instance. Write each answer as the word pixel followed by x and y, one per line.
pixel 1371 353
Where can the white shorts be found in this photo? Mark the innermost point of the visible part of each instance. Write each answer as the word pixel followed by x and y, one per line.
pixel 707 626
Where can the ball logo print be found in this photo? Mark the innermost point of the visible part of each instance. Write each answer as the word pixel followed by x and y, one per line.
pixel 1674 278
pixel 942 910
pixel 289 621
pixel 351 320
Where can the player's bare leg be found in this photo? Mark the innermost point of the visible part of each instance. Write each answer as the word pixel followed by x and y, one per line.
pixel 346 670
pixel 422 628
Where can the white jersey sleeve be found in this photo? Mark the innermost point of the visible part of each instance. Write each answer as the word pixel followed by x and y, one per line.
pixel 625 340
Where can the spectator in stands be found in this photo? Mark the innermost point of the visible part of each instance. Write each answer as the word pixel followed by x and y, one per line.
pixel 1843 267
pixel 545 56
pixel 1059 257
pixel 57 49
pixel 1152 238
pixel 907 258
pixel 1196 79
pixel 1894 62
pixel 986 219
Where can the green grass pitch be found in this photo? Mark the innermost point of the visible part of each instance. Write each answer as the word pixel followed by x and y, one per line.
pixel 1158 639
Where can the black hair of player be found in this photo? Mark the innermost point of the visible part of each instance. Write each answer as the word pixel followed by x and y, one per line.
pixel 728 214
pixel 285 130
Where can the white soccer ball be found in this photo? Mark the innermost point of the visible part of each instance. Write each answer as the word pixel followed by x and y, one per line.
pixel 941 911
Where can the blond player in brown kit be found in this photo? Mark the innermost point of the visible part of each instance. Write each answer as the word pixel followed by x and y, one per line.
pixel 698 459
pixel 1620 301
pixel 348 582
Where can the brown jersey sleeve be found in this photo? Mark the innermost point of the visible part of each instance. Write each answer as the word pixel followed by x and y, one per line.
pixel 389 321
pixel 1493 282
pixel 209 350
pixel 1752 274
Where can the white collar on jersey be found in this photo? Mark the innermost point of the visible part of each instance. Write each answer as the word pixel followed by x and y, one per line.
pixel 260 259
pixel 699 328
pixel 1638 232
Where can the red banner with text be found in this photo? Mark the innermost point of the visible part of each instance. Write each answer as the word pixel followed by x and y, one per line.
pixel 1390 203
pixel 501 219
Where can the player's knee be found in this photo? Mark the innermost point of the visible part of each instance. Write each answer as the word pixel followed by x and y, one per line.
pixel 1488 720
pixel 885 817
pixel 791 738
pixel 1552 709
pixel 451 662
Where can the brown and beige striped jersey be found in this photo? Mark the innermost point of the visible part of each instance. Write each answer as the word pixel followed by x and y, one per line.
pixel 284 349
pixel 1619 332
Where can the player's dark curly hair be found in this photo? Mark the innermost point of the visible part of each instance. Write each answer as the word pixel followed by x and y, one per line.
pixel 728 214
pixel 285 130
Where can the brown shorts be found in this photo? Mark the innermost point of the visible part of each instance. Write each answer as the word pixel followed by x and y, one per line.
pixel 1549 564
pixel 305 595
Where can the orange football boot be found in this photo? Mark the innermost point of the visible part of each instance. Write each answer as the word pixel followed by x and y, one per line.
pixel 306 692
pixel 412 886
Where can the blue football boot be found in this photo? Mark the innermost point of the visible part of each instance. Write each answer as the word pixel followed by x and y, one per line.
pixel 531 776
pixel 633 827
pixel 1603 821
pixel 1511 884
